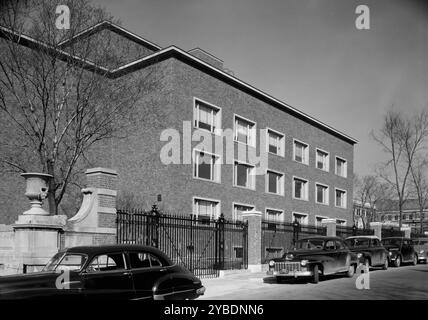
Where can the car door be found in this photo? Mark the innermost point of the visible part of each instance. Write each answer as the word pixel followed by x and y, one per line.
pixel 331 263
pixel 107 276
pixel 147 269
pixel 377 252
pixel 406 250
pixel 343 256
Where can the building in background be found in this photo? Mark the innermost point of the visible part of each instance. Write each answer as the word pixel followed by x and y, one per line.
pixel 363 214
pixel 309 176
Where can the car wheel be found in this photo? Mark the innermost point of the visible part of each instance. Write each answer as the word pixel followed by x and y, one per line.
pixel 316 276
pixel 385 264
pixel 415 259
pixel 397 262
pixel 351 271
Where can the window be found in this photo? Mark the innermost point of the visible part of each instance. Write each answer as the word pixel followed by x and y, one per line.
pixel 107 262
pixel 274 215
pixel 244 175
pixel 321 195
pixel 341 167
pixel 206 116
pixel 245 131
pixel 206 166
pixel 301 218
pixel 341 222
pixel 238 209
pixel 239 252
pixel 143 260
pixel 340 198
pixel 275 182
pixel 301 152
pixel 300 189
pixel 322 160
pixel 275 142
pixel 206 209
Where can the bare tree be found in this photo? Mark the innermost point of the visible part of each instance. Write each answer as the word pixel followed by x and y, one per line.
pixel 57 94
pixel 402 139
pixel 420 186
pixel 369 191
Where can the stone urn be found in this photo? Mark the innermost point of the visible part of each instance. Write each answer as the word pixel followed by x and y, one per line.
pixel 36 191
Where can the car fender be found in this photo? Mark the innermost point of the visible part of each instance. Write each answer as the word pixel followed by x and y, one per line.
pixel 163 287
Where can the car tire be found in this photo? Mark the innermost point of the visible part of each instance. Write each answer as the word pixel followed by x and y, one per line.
pixel 415 259
pixel 397 262
pixel 316 275
pixel 385 264
pixel 351 271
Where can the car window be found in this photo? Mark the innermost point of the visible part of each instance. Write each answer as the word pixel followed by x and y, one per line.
pixel 66 262
pixel 339 245
pixel 144 260
pixel 375 242
pixel 107 262
pixel 421 242
pixel 394 242
pixel 329 245
pixel 356 242
pixel 309 244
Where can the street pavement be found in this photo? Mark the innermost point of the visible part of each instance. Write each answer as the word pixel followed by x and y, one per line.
pixel 406 282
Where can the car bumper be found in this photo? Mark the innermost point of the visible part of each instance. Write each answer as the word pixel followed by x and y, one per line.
pixel 294 274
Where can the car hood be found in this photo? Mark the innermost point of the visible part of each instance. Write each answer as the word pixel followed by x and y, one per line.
pixel 27 281
pixel 302 255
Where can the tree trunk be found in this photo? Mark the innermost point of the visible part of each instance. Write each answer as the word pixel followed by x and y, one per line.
pixel 53 209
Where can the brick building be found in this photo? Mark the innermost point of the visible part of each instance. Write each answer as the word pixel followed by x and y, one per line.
pixel 309 170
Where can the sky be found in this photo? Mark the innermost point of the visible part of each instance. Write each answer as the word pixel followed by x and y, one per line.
pixel 307 53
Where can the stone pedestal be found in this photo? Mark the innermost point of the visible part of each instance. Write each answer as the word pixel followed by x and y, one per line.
pixel 37 238
pixel 331 226
pixel 407 231
pixel 377 227
pixel 254 219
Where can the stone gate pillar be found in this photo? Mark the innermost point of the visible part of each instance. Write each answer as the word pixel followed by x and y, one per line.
pixel 377 227
pixel 254 219
pixel 331 226
pixel 95 222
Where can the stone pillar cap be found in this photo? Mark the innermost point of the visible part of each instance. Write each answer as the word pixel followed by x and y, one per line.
pixel 329 220
pixel 101 170
pixel 251 213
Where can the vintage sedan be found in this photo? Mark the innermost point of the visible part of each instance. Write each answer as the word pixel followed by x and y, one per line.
pixel 105 272
pixel 421 248
pixel 312 257
pixel 369 250
pixel 401 250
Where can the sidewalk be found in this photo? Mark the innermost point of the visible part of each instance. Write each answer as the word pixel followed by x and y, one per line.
pixel 236 282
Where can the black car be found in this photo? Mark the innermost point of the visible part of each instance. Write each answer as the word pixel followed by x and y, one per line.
pixel 369 250
pixel 109 272
pixel 401 250
pixel 312 257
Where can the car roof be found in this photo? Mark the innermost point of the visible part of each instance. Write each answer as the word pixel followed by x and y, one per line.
pixel 363 237
pixel 94 250
pixel 321 238
pixel 396 238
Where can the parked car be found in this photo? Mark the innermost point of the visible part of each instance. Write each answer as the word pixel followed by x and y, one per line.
pixel 369 250
pixel 111 272
pixel 312 257
pixel 421 248
pixel 401 250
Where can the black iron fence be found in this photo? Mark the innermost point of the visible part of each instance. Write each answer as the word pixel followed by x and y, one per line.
pixel 391 231
pixel 347 231
pixel 202 245
pixel 277 237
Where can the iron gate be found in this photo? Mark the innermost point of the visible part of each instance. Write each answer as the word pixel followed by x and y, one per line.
pixel 202 245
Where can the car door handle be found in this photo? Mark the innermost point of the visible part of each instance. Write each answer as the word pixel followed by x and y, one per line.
pixel 129 274
pixel 163 269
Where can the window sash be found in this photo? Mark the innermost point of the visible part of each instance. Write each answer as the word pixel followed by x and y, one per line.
pixel 243 175
pixel 206 208
pixel 244 131
pixel 322 158
pixel 206 166
pixel 206 117
pixel 300 152
pixel 275 143
pixel 239 209
pixel 340 198
pixel 300 189
pixel 321 194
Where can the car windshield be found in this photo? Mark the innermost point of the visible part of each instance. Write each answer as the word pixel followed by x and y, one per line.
pixel 421 242
pixel 356 242
pixel 309 244
pixel 63 261
pixel 393 242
